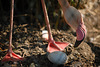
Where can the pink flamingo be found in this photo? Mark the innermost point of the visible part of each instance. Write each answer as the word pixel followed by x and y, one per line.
pixel 52 45
pixel 74 19
pixel 11 56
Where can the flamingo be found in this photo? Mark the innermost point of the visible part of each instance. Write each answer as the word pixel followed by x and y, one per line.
pixel 74 19
pixel 11 56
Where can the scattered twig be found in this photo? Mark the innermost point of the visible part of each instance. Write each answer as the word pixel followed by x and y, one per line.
pixel 96 37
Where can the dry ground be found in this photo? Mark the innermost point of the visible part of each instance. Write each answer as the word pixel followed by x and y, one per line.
pixel 29 44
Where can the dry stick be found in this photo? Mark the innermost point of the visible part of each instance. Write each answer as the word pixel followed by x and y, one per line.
pixel 48 25
pixel 11 24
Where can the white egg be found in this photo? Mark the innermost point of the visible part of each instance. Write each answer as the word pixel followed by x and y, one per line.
pixel 45 35
pixel 57 57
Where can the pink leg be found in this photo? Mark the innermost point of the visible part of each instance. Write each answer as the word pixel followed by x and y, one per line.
pixel 11 56
pixel 52 46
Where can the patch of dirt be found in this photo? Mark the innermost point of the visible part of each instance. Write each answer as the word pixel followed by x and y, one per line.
pixel 30 46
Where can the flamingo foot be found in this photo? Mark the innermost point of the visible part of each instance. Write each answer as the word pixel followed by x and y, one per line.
pixel 11 56
pixel 52 47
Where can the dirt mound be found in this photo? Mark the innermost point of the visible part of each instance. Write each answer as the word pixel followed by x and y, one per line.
pixel 31 46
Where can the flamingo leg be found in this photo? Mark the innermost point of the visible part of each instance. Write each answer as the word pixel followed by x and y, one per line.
pixel 11 56
pixel 52 46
